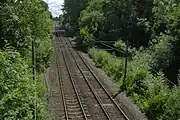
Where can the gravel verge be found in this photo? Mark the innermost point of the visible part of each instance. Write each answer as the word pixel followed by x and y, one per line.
pixel 127 104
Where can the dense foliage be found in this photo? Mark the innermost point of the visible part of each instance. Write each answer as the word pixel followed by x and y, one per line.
pixel 17 89
pixel 151 28
pixel 22 22
pixel 139 22
pixel 149 91
pixel 72 10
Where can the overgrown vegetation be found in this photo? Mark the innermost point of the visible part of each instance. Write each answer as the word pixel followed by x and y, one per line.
pixel 150 91
pixel 20 23
pixel 139 22
pixel 151 28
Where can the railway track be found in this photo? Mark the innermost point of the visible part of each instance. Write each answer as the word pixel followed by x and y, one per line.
pixel 71 98
pixel 75 106
pixel 109 106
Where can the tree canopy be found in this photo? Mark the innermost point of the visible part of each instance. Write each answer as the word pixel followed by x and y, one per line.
pixel 22 22
pixel 151 28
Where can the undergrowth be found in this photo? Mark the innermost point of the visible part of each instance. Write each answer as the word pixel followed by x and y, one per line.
pixel 17 90
pixel 150 91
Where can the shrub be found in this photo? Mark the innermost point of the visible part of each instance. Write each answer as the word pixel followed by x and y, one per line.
pixel 86 39
pixel 110 64
pixel 162 47
pixel 114 67
pixel 17 89
pixel 101 57
pixel 43 55
pixel 149 91
pixel 172 105
pixel 122 46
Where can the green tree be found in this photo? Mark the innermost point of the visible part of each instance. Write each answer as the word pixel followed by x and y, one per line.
pixel 72 10
pixel 20 23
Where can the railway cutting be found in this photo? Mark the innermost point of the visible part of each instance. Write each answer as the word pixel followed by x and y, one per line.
pixel 76 92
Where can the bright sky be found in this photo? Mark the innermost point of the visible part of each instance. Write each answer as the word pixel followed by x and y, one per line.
pixel 55 6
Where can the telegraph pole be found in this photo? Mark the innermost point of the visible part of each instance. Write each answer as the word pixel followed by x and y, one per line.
pixel 33 61
pixel 124 87
pixel 125 71
pixel 125 67
pixel 34 75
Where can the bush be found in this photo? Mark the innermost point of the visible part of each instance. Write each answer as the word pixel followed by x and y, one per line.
pixel 20 23
pixel 101 57
pixel 86 40
pixel 43 55
pixel 163 47
pixel 149 91
pixel 172 105
pixel 114 67
pixel 122 46
pixel 17 89
pixel 110 64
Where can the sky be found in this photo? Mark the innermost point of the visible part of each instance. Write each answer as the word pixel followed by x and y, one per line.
pixel 55 6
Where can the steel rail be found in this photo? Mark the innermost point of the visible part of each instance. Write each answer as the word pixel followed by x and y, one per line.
pixel 60 84
pixel 75 89
pixel 91 88
pixel 101 84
